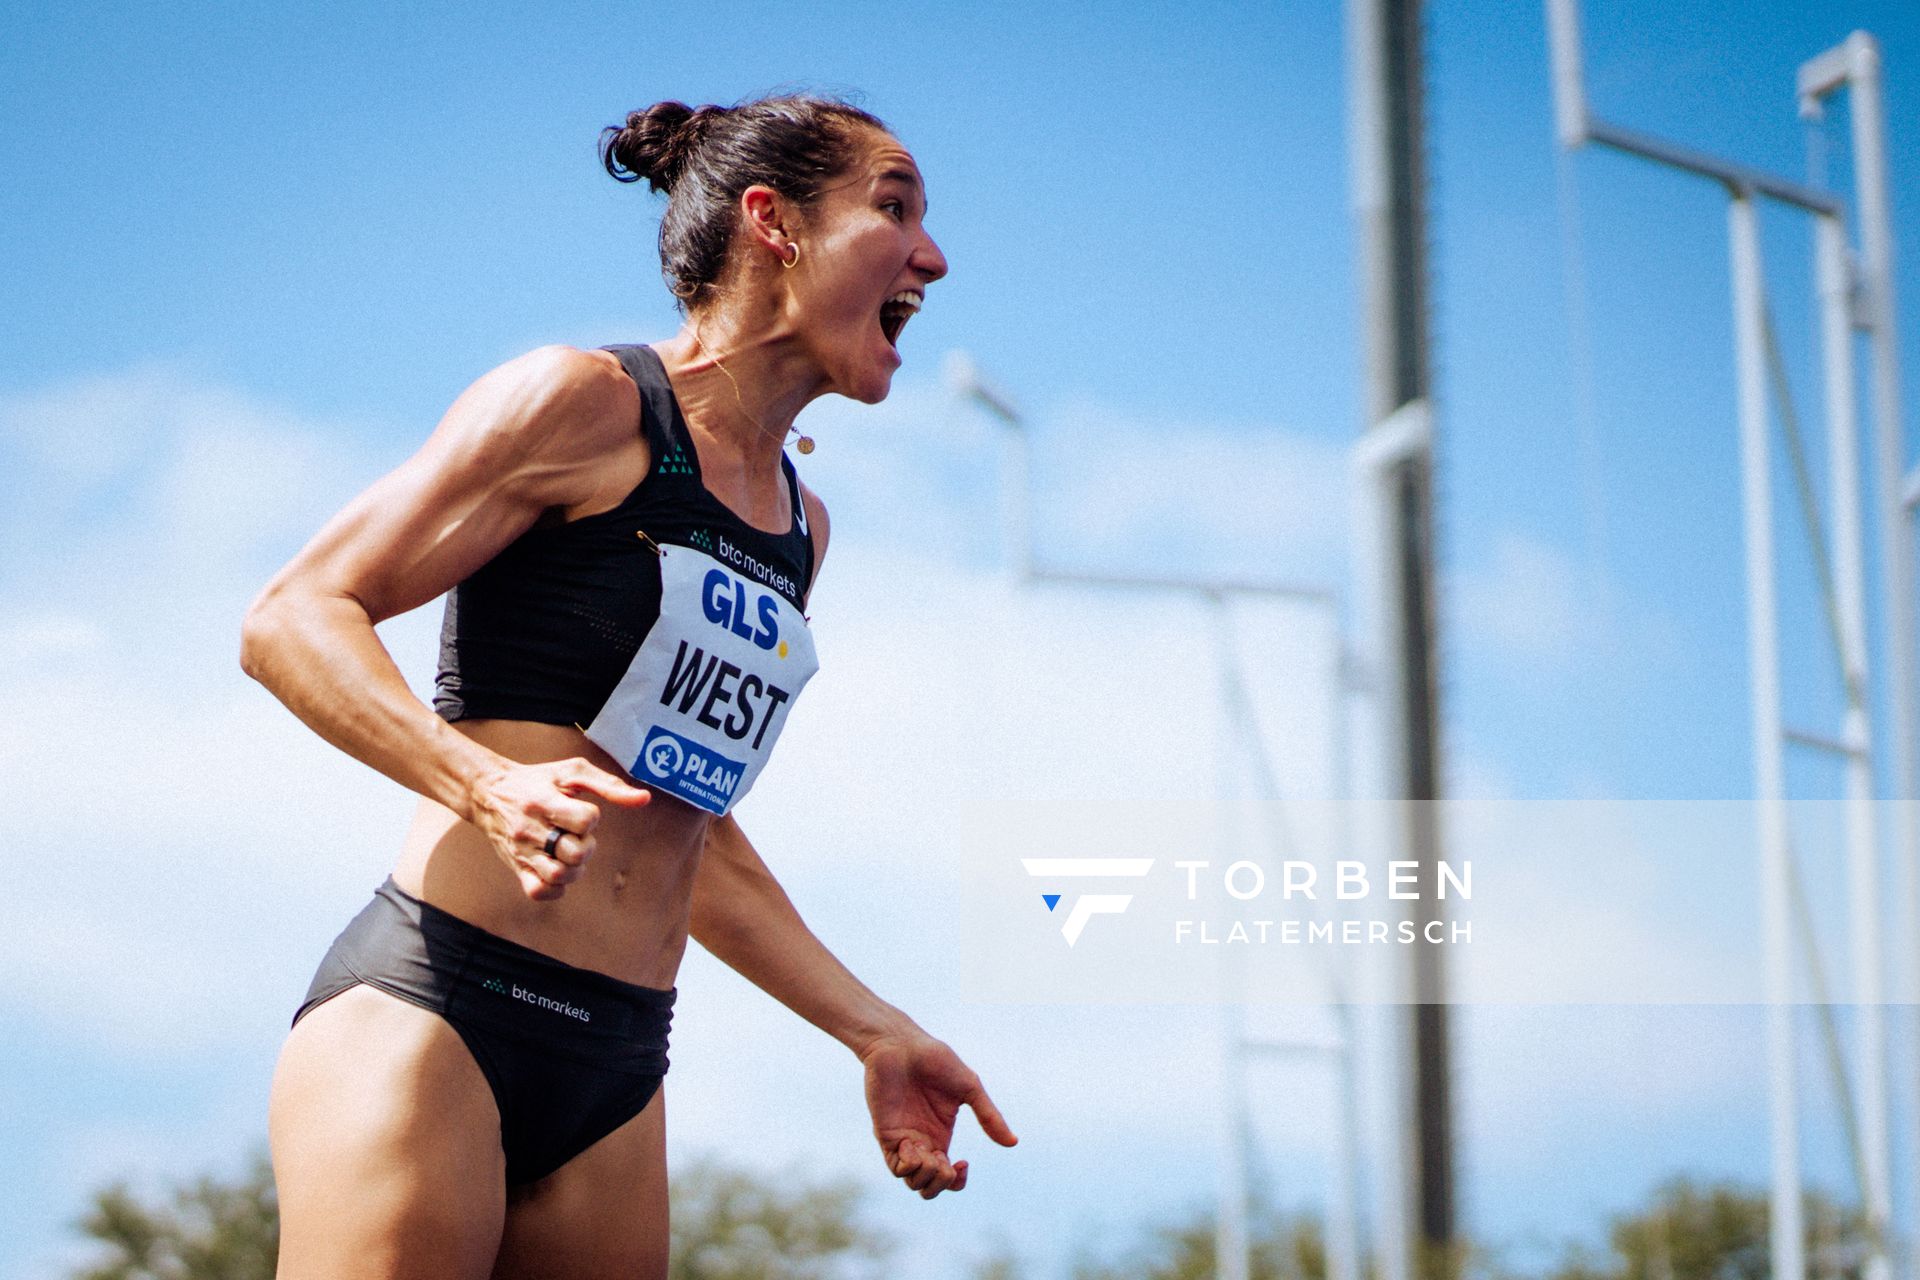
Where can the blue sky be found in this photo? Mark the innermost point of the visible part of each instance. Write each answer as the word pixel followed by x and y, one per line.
pixel 252 254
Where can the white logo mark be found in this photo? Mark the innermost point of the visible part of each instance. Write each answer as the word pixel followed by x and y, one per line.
pixel 1088 905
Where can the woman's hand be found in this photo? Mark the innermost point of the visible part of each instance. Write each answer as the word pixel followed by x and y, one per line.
pixel 519 806
pixel 916 1085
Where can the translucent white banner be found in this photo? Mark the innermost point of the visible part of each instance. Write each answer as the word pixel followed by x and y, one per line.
pixel 1530 902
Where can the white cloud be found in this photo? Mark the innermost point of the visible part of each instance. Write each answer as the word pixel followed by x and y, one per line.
pixel 35 638
pixel 1531 604
pixel 1254 499
pixel 1111 489
pixel 88 431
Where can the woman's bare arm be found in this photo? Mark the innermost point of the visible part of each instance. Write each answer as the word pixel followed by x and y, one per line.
pixel 531 435
pixel 915 1084
pixel 744 918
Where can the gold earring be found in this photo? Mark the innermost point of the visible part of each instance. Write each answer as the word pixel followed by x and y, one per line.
pixel 794 261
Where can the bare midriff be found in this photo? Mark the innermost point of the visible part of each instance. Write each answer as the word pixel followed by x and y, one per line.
pixel 625 915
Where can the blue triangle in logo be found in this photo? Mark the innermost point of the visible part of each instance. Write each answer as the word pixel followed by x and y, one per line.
pixel 1051 899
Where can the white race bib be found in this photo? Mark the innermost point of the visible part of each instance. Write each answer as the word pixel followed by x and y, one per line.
pixel 703 701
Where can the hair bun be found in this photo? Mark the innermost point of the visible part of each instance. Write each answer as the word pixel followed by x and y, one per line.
pixel 655 143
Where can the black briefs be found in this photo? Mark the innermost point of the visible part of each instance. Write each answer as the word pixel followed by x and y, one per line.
pixel 571 1054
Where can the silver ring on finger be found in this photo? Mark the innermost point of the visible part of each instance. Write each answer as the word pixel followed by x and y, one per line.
pixel 553 840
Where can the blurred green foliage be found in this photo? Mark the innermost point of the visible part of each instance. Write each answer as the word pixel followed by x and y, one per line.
pixel 1280 1247
pixel 1716 1231
pixel 205 1230
pixel 730 1224
pixel 727 1224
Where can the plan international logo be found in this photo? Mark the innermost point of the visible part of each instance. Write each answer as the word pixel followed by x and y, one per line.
pixel 1087 905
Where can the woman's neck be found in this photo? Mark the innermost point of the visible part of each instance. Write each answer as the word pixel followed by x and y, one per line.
pixel 740 390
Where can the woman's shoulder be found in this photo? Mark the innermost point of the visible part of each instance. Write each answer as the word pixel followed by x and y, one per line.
pixel 585 383
pixel 555 401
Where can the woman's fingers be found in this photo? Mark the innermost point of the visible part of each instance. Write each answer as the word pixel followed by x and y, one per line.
pixel 550 835
pixel 551 869
pixel 535 888
pixel 568 814
pixel 569 850
pixel 927 1172
pixel 992 1123
pixel 940 1177
pixel 563 865
pixel 583 775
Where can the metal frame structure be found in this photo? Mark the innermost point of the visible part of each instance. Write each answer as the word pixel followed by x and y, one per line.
pixel 1852 295
pixel 1394 598
pixel 1232 1242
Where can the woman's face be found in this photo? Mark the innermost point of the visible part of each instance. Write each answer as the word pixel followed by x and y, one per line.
pixel 866 260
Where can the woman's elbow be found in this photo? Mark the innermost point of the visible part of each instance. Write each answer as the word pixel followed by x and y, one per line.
pixel 260 632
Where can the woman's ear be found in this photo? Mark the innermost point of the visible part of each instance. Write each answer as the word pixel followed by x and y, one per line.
pixel 766 218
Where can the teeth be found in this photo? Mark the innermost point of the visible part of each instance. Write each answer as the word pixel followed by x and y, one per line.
pixel 896 311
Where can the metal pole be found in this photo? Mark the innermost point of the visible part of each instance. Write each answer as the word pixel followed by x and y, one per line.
pixel 1863 838
pixel 1016 513
pixel 1787 1232
pixel 1343 1253
pixel 1343 1231
pixel 1895 530
pixel 1855 64
pixel 1376 457
pixel 1569 87
pixel 1232 1246
pixel 1389 175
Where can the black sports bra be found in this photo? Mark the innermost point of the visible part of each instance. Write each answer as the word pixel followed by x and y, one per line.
pixel 551 626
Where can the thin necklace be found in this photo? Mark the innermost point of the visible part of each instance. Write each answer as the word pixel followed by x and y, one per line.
pixel 805 443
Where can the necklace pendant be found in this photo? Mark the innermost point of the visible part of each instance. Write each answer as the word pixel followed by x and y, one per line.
pixel 805 444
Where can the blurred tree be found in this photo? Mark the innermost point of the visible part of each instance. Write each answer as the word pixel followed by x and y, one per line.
pixel 207 1231
pixel 1716 1231
pixel 732 1225
pixel 1282 1247
pixel 1002 1263
pixel 727 1225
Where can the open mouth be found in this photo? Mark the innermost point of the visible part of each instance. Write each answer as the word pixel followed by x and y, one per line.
pixel 896 311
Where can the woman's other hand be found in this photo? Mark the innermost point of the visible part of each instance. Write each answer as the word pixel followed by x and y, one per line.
pixel 916 1085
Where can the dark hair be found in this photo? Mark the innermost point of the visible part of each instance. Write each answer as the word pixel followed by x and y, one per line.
pixel 703 159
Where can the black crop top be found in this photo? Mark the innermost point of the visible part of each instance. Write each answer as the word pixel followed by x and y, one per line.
pixel 546 629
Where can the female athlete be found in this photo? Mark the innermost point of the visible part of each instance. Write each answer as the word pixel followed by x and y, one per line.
pixel 472 1086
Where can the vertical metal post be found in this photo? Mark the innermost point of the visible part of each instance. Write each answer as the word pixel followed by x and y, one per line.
pixel 1834 282
pixel 1343 1254
pixel 1018 499
pixel 1749 323
pixel 1569 87
pixel 1895 533
pixel 1343 1230
pixel 1232 1245
pixel 1388 140
pixel 1376 459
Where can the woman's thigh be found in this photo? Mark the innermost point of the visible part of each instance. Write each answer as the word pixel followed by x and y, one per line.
pixel 603 1214
pixel 386 1146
